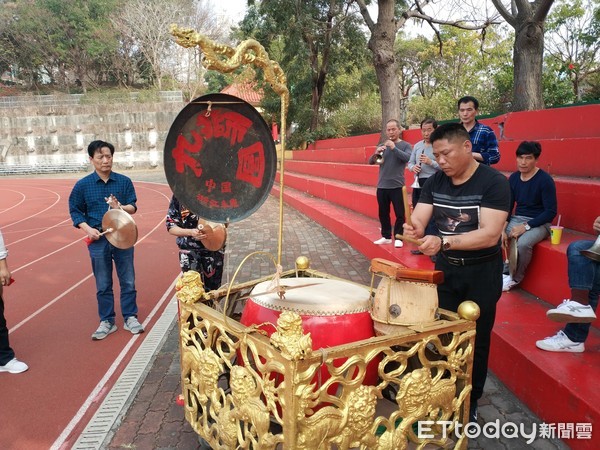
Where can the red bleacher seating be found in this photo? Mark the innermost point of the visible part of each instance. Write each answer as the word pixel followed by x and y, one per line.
pixel 332 183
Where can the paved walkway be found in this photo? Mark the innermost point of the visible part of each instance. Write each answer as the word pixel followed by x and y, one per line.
pixel 155 421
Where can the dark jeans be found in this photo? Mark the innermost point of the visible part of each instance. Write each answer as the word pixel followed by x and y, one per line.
pixel 481 283
pixel 6 353
pixel 384 198
pixel 584 274
pixel 102 254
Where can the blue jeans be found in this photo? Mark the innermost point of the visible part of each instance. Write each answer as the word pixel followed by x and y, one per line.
pixel 525 244
pixel 102 254
pixel 583 274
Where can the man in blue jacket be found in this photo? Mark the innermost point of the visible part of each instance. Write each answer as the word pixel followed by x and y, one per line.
pixel 534 193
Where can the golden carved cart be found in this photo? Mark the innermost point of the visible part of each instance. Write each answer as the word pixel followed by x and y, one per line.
pixel 244 389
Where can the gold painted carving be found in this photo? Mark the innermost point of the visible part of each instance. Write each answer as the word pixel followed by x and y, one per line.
pixel 245 391
pixel 190 288
pixel 289 338
pixel 225 59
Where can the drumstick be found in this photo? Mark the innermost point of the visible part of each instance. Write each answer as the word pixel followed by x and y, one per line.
pixel 406 207
pixel 408 239
pixel 88 241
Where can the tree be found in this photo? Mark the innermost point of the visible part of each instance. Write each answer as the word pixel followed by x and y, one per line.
pixel 468 64
pixel 573 41
pixel 321 38
pixel 392 15
pixel 61 41
pixel 527 18
pixel 146 23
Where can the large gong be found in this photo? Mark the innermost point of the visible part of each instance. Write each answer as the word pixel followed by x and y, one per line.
pixel 220 158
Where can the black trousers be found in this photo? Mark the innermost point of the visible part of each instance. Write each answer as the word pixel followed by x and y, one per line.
pixel 384 198
pixel 481 283
pixel 6 353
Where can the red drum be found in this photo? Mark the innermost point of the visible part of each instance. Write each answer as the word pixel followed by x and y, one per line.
pixel 335 312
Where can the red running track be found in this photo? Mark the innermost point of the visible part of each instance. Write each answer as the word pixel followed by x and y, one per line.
pixel 51 310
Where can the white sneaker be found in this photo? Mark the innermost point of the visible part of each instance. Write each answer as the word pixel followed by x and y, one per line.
pixel 103 330
pixel 508 283
pixel 560 343
pixel 382 241
pixel 398 243
pixel 14 366
pixel 572 311
pixel 132 324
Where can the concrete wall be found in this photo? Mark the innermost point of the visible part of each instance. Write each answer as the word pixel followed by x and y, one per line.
pixel 43 135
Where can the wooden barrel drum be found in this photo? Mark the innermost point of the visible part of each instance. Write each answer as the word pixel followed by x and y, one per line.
pixel 404 296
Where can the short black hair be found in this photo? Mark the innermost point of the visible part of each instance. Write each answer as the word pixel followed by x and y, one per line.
pixel 467 99
pixel 430 120
pixel 529 148
pixel 97 145
pixel 450 131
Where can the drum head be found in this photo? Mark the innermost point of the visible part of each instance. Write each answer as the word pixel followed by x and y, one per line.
pixel 513 255
pixel 124 232
pixel 314 296
pixel 221 162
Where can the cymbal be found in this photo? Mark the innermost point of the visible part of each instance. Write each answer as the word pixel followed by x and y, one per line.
pixel 513 256
pixel 124 232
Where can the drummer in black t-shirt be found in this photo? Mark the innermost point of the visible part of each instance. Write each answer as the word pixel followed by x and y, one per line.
pixel 469 203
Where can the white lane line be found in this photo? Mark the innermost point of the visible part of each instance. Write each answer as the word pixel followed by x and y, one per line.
pixel 53 301
pixel 47 305
pixel 96 392
pixel 15 205
pixel 42 230
pixel 58 197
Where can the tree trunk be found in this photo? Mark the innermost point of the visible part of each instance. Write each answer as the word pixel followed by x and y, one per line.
pixel 315 102
pixel 528 55
pixel 381 45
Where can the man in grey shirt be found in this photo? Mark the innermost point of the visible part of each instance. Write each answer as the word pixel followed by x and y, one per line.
pixel 392 157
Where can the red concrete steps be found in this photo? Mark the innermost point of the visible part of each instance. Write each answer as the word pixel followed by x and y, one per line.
pixel 358 198
pixel 363 174
pixel 564 156
pixel 546 275
pixel 560 388
pixel 352 155
pixel 364 140
pixel 357 229
pixel 558 123
pixel 548 262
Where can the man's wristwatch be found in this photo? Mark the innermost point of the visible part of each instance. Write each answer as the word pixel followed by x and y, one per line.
pixel 527 226
pixel 445 243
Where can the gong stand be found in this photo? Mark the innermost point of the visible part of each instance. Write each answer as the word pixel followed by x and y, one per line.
pixel 226 59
